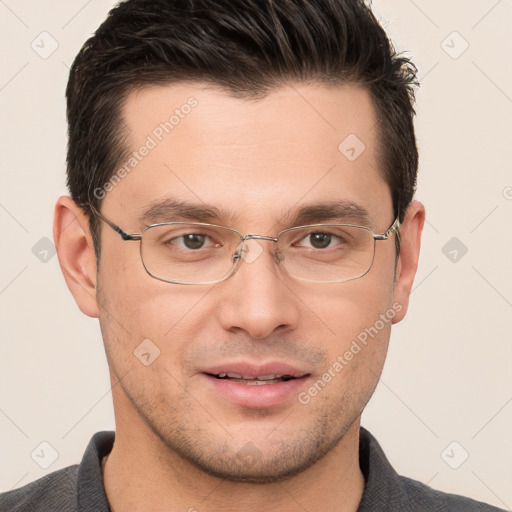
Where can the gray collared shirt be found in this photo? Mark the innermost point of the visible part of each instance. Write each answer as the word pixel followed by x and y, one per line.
pixel 79 488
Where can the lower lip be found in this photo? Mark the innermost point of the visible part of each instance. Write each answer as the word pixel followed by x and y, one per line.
pixel 257 396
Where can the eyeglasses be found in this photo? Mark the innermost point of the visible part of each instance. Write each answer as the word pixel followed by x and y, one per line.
pixel 201 253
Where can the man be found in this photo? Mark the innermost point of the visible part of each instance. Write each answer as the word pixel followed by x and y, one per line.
pixel 241 219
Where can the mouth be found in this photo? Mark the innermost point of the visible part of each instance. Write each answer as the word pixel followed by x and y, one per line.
pixel 255 385
pixel 259 380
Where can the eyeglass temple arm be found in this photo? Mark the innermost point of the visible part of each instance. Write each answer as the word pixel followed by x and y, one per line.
pixel 391 229
pixel 115 227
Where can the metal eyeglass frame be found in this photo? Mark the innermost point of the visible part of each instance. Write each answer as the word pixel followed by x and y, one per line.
pixel 237 255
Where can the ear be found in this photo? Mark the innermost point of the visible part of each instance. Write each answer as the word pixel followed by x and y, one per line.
pixel 410 238
pixel 76 253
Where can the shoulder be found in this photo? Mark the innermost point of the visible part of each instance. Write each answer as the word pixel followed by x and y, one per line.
pixel 55 491
pixel 387 491
pixel 425 498
pixel 77 487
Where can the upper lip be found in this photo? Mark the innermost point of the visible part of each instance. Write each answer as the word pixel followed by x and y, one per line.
pixel 252 370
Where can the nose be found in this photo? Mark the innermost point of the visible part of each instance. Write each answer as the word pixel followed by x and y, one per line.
pixel 258 298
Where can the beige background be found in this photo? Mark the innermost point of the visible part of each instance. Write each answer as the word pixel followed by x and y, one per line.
pixel 448 374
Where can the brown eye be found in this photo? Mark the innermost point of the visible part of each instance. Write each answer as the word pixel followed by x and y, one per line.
pixel 193 241
pixel 320 240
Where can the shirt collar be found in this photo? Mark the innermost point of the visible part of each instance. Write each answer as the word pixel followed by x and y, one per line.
pixel 383 489
pixel 91 496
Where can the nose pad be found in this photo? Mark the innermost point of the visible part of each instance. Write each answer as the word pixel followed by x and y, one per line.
pixel 237 254
pixel 251 252
pixel 278 255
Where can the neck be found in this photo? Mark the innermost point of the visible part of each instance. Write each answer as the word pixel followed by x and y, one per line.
pixel 142 475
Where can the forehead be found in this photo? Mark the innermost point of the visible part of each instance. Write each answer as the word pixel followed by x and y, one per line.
pixel 299 144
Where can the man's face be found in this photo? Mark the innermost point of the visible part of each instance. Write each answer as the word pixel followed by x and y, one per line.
pixel 258 162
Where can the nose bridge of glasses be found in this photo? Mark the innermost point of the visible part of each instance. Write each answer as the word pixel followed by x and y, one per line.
pixel 243 250
pixel 259 237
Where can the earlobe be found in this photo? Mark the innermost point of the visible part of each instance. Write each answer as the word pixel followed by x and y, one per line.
pixel 75 252
pixel 410 236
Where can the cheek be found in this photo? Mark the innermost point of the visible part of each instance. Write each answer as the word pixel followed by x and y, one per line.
pixel 141 315
pixel 355 320
pixel 140 303
pixel 346 309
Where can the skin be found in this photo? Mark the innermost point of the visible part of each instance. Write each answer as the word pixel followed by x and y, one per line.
pixel 178 442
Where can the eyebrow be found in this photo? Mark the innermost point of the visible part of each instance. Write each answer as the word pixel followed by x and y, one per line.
pixel 171 209
pixel 340 211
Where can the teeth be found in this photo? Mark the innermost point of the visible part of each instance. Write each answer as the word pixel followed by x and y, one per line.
pixel 260 382
pixel 256 382
pixel 247 377
pixel 260 379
